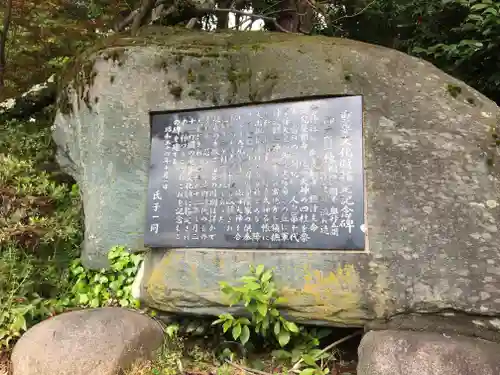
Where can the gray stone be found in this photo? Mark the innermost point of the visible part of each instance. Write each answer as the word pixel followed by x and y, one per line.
pixel 433 201
pixel 450 323
pixel 426 353
pixel 87 342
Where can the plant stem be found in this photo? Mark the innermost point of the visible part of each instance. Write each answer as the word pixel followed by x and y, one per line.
pixel 247 369
pixel 331 346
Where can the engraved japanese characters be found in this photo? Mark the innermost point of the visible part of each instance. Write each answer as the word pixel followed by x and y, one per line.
pixel 282 175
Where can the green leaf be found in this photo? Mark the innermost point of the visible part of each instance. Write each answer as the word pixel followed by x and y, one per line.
pixel 267 276
pixel 94 303
pixel 235 298
pixel 172 330
pixel 308 371
pixel 259 270
pixel 262 309
pixel 245 334
pixel 249 279
pixel 316 353
pixel 277 328
pixel 265 323
pixel 236 331
pixel 292 327
pixel 244 321
pixel 296 354
pixel 252 286
pixel 19 324
pixel 308 360
pixel 479 6
pixel 475 17
pixel 274 313
pixel 281 354
pixel 227 325
pixel 115 285
pixel 284 338
pixel 83 298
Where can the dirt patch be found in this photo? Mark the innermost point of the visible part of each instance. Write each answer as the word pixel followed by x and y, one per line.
pixel 5 365
pixel 15 213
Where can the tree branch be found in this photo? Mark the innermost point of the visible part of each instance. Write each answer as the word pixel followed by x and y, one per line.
pixel 3 41
pixel 146 7
pixel 243 13
pixel 127 21
pixel 354 14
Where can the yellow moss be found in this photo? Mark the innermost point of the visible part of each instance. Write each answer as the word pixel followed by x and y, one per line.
pixel 335 296
pixel 157 275
pixel 344 278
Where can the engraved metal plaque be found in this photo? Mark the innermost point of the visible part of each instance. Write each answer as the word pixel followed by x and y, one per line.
pixel 278 175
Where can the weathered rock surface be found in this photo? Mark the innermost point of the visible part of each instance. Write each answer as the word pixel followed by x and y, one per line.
pixel 425 353
pixel 449 323
pixel 87 342
pixel 433 201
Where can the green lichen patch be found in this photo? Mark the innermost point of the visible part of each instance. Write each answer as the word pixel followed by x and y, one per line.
pixel 80 75
pixel 117 55
pixel 191 78
pixel 453 89
pixel 162 64
pixel 176 91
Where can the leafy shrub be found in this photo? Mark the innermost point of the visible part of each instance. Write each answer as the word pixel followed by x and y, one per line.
pixel 106 287
pixel 40 235
pixel 474 56
pixel 459 36
pixel 40 231
pixel 259 296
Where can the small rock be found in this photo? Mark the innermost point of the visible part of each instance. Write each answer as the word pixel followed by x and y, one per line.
pixel 426 353
pixel 86 342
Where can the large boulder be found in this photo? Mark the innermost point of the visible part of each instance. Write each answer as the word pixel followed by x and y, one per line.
pixel 426 353
pixel 432 180
pixel 87 342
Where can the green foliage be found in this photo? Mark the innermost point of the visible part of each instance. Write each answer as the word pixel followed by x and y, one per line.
pixel 29 140
pixel 40 237
pixel 475 56
pixel 461 37
pixel 20 303
pixel 22 306
pixel 259 296
pixel 43 34
pixel 105 287
pixel 40 231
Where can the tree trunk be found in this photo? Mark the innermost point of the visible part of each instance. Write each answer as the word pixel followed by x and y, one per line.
pixel 3 41
pixel 296 16
pixel 223 18
pixel 145 9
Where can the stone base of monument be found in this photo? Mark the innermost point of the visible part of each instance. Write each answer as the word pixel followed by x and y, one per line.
pixel 426 353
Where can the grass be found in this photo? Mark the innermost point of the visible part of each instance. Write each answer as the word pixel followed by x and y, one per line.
pixel 203 354
pixel 40 227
